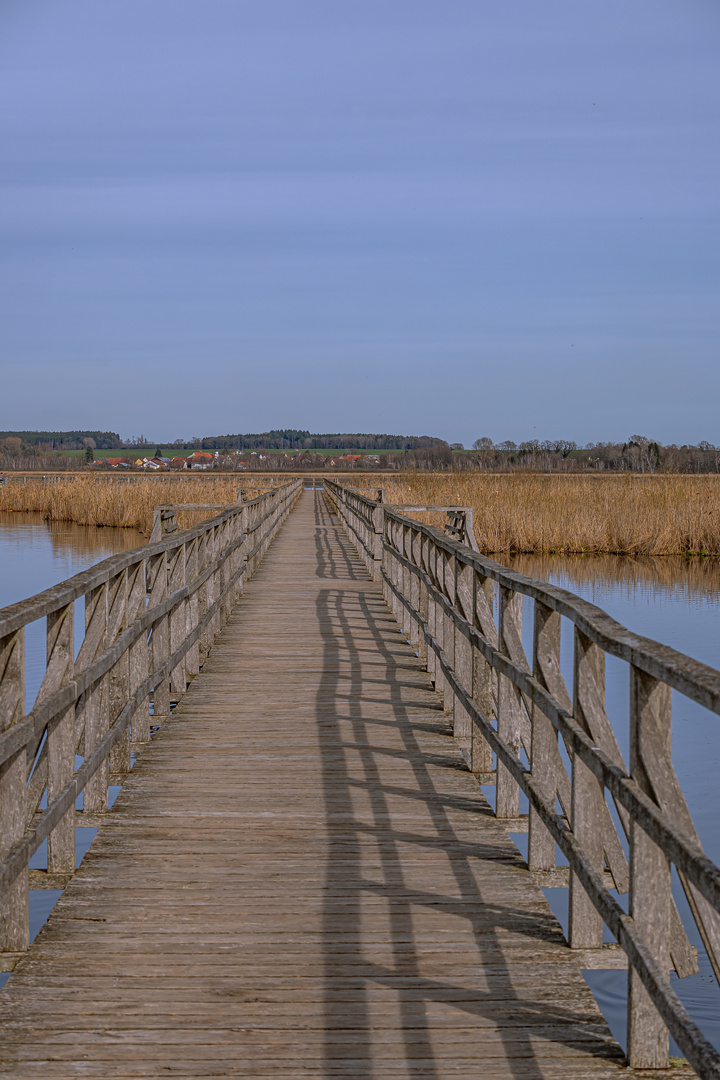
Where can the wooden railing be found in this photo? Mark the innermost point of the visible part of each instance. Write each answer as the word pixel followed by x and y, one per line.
pixel 151 616
pixel 619 826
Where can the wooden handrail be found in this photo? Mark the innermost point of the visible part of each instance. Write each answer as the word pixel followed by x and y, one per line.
pixel 151 616
pixel 502 703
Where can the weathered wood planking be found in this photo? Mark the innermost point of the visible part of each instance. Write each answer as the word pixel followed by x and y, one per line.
pixel 501 701
pixel 150 615
pixel 301 878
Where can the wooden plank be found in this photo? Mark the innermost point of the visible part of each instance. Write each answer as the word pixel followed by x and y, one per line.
pixel 301 876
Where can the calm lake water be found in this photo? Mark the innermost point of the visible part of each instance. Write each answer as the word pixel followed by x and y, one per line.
pixel 35 554
pixel 675 601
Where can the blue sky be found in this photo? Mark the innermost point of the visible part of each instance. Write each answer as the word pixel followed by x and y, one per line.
pixel 455 218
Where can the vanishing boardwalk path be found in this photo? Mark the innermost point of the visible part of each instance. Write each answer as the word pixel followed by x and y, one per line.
pixel 300 878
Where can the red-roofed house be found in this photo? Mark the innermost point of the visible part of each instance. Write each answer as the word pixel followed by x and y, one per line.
pixel 201 460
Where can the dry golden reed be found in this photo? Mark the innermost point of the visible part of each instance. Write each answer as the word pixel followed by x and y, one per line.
pixel 629 515
pixel 109 501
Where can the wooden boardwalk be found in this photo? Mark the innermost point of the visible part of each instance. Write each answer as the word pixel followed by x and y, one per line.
pixel 300 878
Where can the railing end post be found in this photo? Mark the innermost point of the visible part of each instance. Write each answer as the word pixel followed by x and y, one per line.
pixel 379 531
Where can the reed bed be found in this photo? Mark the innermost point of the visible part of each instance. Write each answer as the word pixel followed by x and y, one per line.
pixel 513 513
pixel 627 515
pixel 109 502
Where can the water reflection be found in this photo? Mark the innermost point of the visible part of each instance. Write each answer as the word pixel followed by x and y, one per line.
pixel 35 554
pixel 693 578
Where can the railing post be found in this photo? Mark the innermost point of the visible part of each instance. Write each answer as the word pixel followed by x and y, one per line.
pixel 421 562
pixel 249 522
pixel 215 579
pixel 178 618
pixel 156 531
pixel 650 897
pixel 119 679
pixel 413 548
pixel 239 555
pixel 61 744
pixel 97 704
pixel 139 653
pixel 245 547
pixel 432 664
pixel 543 751
pixel 507 801
pixel 204 596
pixel 386 562
pixel 14 925
pixel 464 593
pixel 192 657
pixel 484 678
pixel 227 569
pixel 160 638
pixel 396 531
pixel 368 550
pixel 378 534
pixel 405 576
pixel 584 922
pixel 164 522
pixel 439 628
pixel 449 566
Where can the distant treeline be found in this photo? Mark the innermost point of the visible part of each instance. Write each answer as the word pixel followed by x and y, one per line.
pixel 66 440
pixel 290 439
pixel 280 439
pixel 637 454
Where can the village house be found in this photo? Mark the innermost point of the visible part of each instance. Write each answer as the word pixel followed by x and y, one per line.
pixel 346 460
pixel 153 463
pixel 200 459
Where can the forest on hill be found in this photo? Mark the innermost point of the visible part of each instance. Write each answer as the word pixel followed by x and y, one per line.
pixel 291 439
pixel 66 440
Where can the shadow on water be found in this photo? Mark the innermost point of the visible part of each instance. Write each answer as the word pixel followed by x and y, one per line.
pixel 367 664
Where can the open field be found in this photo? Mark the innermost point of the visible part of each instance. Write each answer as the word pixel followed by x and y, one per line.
pixel 109 501
pixel 626 514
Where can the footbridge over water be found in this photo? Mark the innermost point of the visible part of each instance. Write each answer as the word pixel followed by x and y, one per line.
pixel 303 697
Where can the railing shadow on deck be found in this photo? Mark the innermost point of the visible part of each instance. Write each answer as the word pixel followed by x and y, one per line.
pixel 518 711
pixel 351 741
pixel 329 560
pixel 151 616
